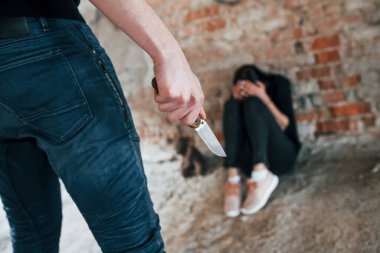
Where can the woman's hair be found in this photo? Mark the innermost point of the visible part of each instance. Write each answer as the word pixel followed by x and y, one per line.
pixel 250 73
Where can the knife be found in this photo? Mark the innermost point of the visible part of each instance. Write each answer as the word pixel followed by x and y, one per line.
pixel 204 131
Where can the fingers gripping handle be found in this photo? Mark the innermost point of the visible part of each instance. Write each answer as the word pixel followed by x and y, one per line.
pixel 197 122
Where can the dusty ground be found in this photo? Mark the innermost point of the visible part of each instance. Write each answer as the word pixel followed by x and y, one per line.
pixel 330 203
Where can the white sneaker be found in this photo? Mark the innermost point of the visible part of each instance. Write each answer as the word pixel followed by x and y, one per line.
pixel 232 199
pixel 258 193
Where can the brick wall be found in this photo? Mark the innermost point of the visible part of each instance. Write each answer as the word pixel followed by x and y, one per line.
pixel 329 49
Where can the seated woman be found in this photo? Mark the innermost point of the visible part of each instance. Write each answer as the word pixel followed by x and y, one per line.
pixel 260 136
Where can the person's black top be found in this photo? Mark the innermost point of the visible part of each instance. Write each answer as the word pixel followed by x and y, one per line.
pixel 65 9
pixel 279 90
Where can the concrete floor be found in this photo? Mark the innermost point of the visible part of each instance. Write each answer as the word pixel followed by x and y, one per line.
pixel 330 203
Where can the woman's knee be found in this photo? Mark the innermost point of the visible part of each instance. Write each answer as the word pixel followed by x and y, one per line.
pixel 231 105
pixel 254 104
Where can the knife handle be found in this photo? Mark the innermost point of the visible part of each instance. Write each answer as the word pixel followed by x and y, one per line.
pixel 154 85
pixel 197 122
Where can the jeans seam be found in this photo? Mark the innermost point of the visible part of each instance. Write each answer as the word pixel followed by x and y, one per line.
pixel 107 75
pixel 40 58
pixel 64 138
pixel 75 80
pixel 49 135
pixel 84 119
pixel 20 203
pixel 13 112
pixel 55 111
pixel 16 43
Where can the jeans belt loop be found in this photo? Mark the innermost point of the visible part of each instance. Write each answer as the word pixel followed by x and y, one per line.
pixel 44 24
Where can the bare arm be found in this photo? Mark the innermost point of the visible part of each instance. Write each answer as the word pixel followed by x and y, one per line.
pixel 180 93
pixel 282 119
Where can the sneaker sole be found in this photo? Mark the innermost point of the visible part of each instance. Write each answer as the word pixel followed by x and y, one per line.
pixel 264 201
pixel 233 214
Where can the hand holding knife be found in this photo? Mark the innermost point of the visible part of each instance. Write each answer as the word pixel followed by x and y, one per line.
pixel 204 131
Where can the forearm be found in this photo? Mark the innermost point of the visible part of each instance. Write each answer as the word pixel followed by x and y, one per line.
pixel 179 92
pixel 137 19
pixel 282 119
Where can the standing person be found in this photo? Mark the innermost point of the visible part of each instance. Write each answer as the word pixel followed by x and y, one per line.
pixel 260 135
pixel 63 115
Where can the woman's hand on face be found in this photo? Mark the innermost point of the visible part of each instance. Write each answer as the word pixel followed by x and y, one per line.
pixel 249 89
pixel 236 92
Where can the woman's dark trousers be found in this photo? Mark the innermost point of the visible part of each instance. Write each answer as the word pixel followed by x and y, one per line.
pixel 253 136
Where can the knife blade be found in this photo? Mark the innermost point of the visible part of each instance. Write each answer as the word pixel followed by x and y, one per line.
pixel 206 134
pixel 204 131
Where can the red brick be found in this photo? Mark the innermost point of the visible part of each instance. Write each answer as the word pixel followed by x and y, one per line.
pixel 333 126
pixel 352 81
pixel 303 75
pixel 202 13
pixel 353 18
pixel 318 72
pixel 316 115
pixel 350 109
pixel 326 57
pixel 328 25
pixel 319 51
pixel 326 42
pixel 306 117
pixel 333 97
pixel 326 84
pixel 297 33
pixel 215 24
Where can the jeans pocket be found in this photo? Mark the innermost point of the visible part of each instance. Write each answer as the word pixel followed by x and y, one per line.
pixel 106 68
pixel 43 92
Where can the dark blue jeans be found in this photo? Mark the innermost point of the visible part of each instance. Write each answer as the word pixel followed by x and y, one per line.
pixel 63 115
